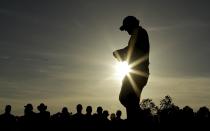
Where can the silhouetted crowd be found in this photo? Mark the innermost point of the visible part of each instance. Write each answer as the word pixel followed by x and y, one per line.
pixel 169 118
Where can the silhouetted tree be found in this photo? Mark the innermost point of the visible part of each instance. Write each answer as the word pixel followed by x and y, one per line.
pixel 166 103
pixel 202 118
pixel 187 117
pixel 149 104
pixel 169 113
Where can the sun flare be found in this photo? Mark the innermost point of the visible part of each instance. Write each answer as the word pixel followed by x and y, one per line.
pixel 122 69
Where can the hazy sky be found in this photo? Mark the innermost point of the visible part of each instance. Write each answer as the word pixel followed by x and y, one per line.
pixel 60 52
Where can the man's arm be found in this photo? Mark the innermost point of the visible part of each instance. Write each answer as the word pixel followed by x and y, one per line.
pixel 121 54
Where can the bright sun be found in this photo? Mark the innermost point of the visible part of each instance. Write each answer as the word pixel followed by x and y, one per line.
pixel 122 68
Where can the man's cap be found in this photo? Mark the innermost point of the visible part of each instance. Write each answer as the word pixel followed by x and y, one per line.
pixel 128 22
pixel 42 106
pixel 28 106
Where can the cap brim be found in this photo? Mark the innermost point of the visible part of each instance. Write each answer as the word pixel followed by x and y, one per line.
pixel 122 28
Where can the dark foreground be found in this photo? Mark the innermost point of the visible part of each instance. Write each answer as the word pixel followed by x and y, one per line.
pixel 168 117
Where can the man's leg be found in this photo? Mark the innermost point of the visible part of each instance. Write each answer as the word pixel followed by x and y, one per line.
pixel 125 91
pixel 133 108
pixel 129 99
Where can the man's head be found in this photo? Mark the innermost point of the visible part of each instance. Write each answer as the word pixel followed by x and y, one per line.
pixel 29 107
pixel 118 114
pixel 79 108
pixel 65 110
pixel 99 110
pixel 89 109
pixel 129 24
pixel 8 109
pixel 42 107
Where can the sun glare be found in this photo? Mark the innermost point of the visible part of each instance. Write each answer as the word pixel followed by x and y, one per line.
pixel 122 69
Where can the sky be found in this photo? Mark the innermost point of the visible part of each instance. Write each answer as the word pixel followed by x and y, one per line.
pixel 60 52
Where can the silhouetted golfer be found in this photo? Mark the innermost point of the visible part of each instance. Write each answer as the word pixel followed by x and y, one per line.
pixel 137 56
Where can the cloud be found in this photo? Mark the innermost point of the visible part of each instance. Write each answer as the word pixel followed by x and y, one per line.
pixel 192 91
pixel 183 25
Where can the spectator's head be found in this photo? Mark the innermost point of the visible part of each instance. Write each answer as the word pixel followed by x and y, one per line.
pixel 99 110
pixel 65 110
pixel 89 109
pixel 42 107
pixel 79 108
pixel 118 114
pixel 8 109
pixel 28 108
pixel 105 114
pixel 112 117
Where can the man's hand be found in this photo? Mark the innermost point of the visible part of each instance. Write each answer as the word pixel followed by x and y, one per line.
pixel 115 54
pixel 121 54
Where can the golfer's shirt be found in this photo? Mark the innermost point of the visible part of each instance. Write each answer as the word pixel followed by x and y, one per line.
pixel 131 44
pixel 137 53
